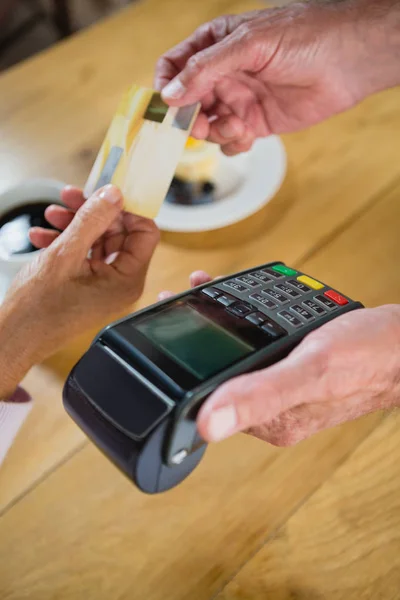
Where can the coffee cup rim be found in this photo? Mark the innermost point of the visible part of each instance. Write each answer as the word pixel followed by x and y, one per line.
pixel 24 189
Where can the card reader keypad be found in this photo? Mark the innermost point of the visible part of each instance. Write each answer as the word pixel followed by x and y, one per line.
pixel 211 292
pixel 249 281
pixel 235 285
pixel 290 318
pixel 301 287
pixel 277 299
pixel 263 300
pixel 330 305
pixel 302 312
pixel 280 298
pixel 316 308
pixel 226 299
pixel 240 309
pixel 288 290
pixel 262 276
pixel 256 318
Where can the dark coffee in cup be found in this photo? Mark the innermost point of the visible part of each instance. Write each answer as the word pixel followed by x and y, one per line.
pixel 15 225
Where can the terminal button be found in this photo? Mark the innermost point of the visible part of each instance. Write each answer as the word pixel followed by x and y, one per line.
pixel 211 292
pixel 338 298
pixel 302 312
pixel 256 318
pixel 248 281
pixel 312 283
pixel 273 329
pixel 264 301
pixel 235 285
pixel 326 302
pixel 317 308
pixel 240 309
pixel 299 286
pixel 281 298
pixel 288 290
pixel 274 274
pixel 292 319
pixel 226 299
pixel 284 270
pixel 262 276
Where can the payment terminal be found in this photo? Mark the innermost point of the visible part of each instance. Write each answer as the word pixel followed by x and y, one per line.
pixel 138 389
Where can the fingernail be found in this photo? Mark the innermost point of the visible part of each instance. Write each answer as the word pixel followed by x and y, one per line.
pixel 175 89
pixel 110 194
pixel 222 423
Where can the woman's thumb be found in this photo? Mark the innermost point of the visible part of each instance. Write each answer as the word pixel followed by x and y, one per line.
pixel 91 221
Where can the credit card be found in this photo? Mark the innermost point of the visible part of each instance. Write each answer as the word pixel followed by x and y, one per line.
pixel 142 149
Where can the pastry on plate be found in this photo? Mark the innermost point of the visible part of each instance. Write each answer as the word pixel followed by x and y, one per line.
pixel 193 183
pixel 199 161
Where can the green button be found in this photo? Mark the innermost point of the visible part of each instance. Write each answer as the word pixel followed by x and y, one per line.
pixel 284 270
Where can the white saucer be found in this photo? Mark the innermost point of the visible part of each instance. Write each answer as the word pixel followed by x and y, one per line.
pixel 244 184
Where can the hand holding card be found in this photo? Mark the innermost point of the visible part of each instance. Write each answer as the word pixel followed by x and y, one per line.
pixel 142 149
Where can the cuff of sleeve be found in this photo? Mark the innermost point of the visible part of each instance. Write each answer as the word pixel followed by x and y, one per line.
pixel 13 413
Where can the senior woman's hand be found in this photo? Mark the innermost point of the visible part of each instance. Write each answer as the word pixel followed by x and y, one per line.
pixel 280 70
pixel 345 369
pixel 62 291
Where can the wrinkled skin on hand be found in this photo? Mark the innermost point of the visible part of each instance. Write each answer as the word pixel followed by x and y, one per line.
pixel 280 70
pixel 341 371
pixel 65 290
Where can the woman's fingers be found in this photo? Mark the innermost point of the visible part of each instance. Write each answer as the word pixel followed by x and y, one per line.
pixel 42 238
pixel 72 197
pixel 142 236
pixel 61 216
pixel 58 216
pixel 198 278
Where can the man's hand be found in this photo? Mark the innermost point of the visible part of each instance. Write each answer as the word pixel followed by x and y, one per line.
pixel 86 275
pixel 281 70
pixel 344 369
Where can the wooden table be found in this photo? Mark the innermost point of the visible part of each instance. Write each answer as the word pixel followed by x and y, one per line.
pixel 321 520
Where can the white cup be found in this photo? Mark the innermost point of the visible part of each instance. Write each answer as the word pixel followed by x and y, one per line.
pixel 27 192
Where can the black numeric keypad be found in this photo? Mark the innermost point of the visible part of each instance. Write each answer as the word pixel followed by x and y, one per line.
pixel 252 283
pixel 302 312
pixel 262 276
pixel 267 302
pixel 280 298
pixel 314 307
pixel 302 287
pixel 326 302
pixel 287 290
pixel 235 285
pixel 290 318
pixel 268 299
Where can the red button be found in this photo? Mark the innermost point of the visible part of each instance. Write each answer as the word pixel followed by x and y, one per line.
pixel 338 298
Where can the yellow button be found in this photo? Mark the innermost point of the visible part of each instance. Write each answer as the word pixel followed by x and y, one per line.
pixel 312 283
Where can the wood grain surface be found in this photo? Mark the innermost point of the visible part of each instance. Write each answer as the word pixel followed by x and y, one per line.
pixel 316 521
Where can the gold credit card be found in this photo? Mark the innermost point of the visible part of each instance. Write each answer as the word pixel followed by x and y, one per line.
pixel 142 149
